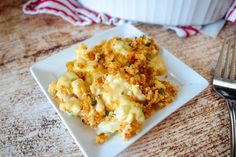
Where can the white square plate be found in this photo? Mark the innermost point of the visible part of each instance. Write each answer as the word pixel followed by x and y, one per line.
pixel 188 81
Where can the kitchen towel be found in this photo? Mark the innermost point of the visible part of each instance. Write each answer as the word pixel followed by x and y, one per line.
pixel 76 14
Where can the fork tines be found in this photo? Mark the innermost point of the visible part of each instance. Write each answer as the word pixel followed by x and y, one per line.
pixel 225 67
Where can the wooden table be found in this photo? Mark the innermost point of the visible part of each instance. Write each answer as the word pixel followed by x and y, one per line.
pixel 29 126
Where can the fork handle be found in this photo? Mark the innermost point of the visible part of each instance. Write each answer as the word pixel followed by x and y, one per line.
pixel 231 104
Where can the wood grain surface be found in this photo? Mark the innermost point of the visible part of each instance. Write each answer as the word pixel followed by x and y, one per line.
pixel 29 126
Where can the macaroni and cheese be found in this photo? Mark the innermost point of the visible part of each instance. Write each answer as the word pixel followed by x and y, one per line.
pixel 114 86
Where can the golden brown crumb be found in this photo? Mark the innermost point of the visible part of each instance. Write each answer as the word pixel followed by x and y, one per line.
pixel 69 66
pixel 129 130
pixel 101 138
pixel 52 88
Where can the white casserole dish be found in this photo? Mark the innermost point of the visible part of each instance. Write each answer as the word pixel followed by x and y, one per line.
pixel 165 12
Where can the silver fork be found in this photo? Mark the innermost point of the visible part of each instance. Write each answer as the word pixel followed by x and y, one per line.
pixel 224 84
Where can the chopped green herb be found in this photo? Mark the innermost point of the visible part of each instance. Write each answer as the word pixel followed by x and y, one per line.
pixel 129 65
pixel 142 107
pixel 99 96
pixel 148 44
pixel 107 113
pixel 93 101
pixel 113 60
pixel 161 90
pixel 122 93
pixel 130 44
pixel 143 36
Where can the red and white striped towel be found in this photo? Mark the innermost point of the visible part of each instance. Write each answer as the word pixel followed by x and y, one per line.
pixel 76 14
pixel 231 15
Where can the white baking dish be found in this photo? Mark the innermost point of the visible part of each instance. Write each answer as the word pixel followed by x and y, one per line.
pixel 165 12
